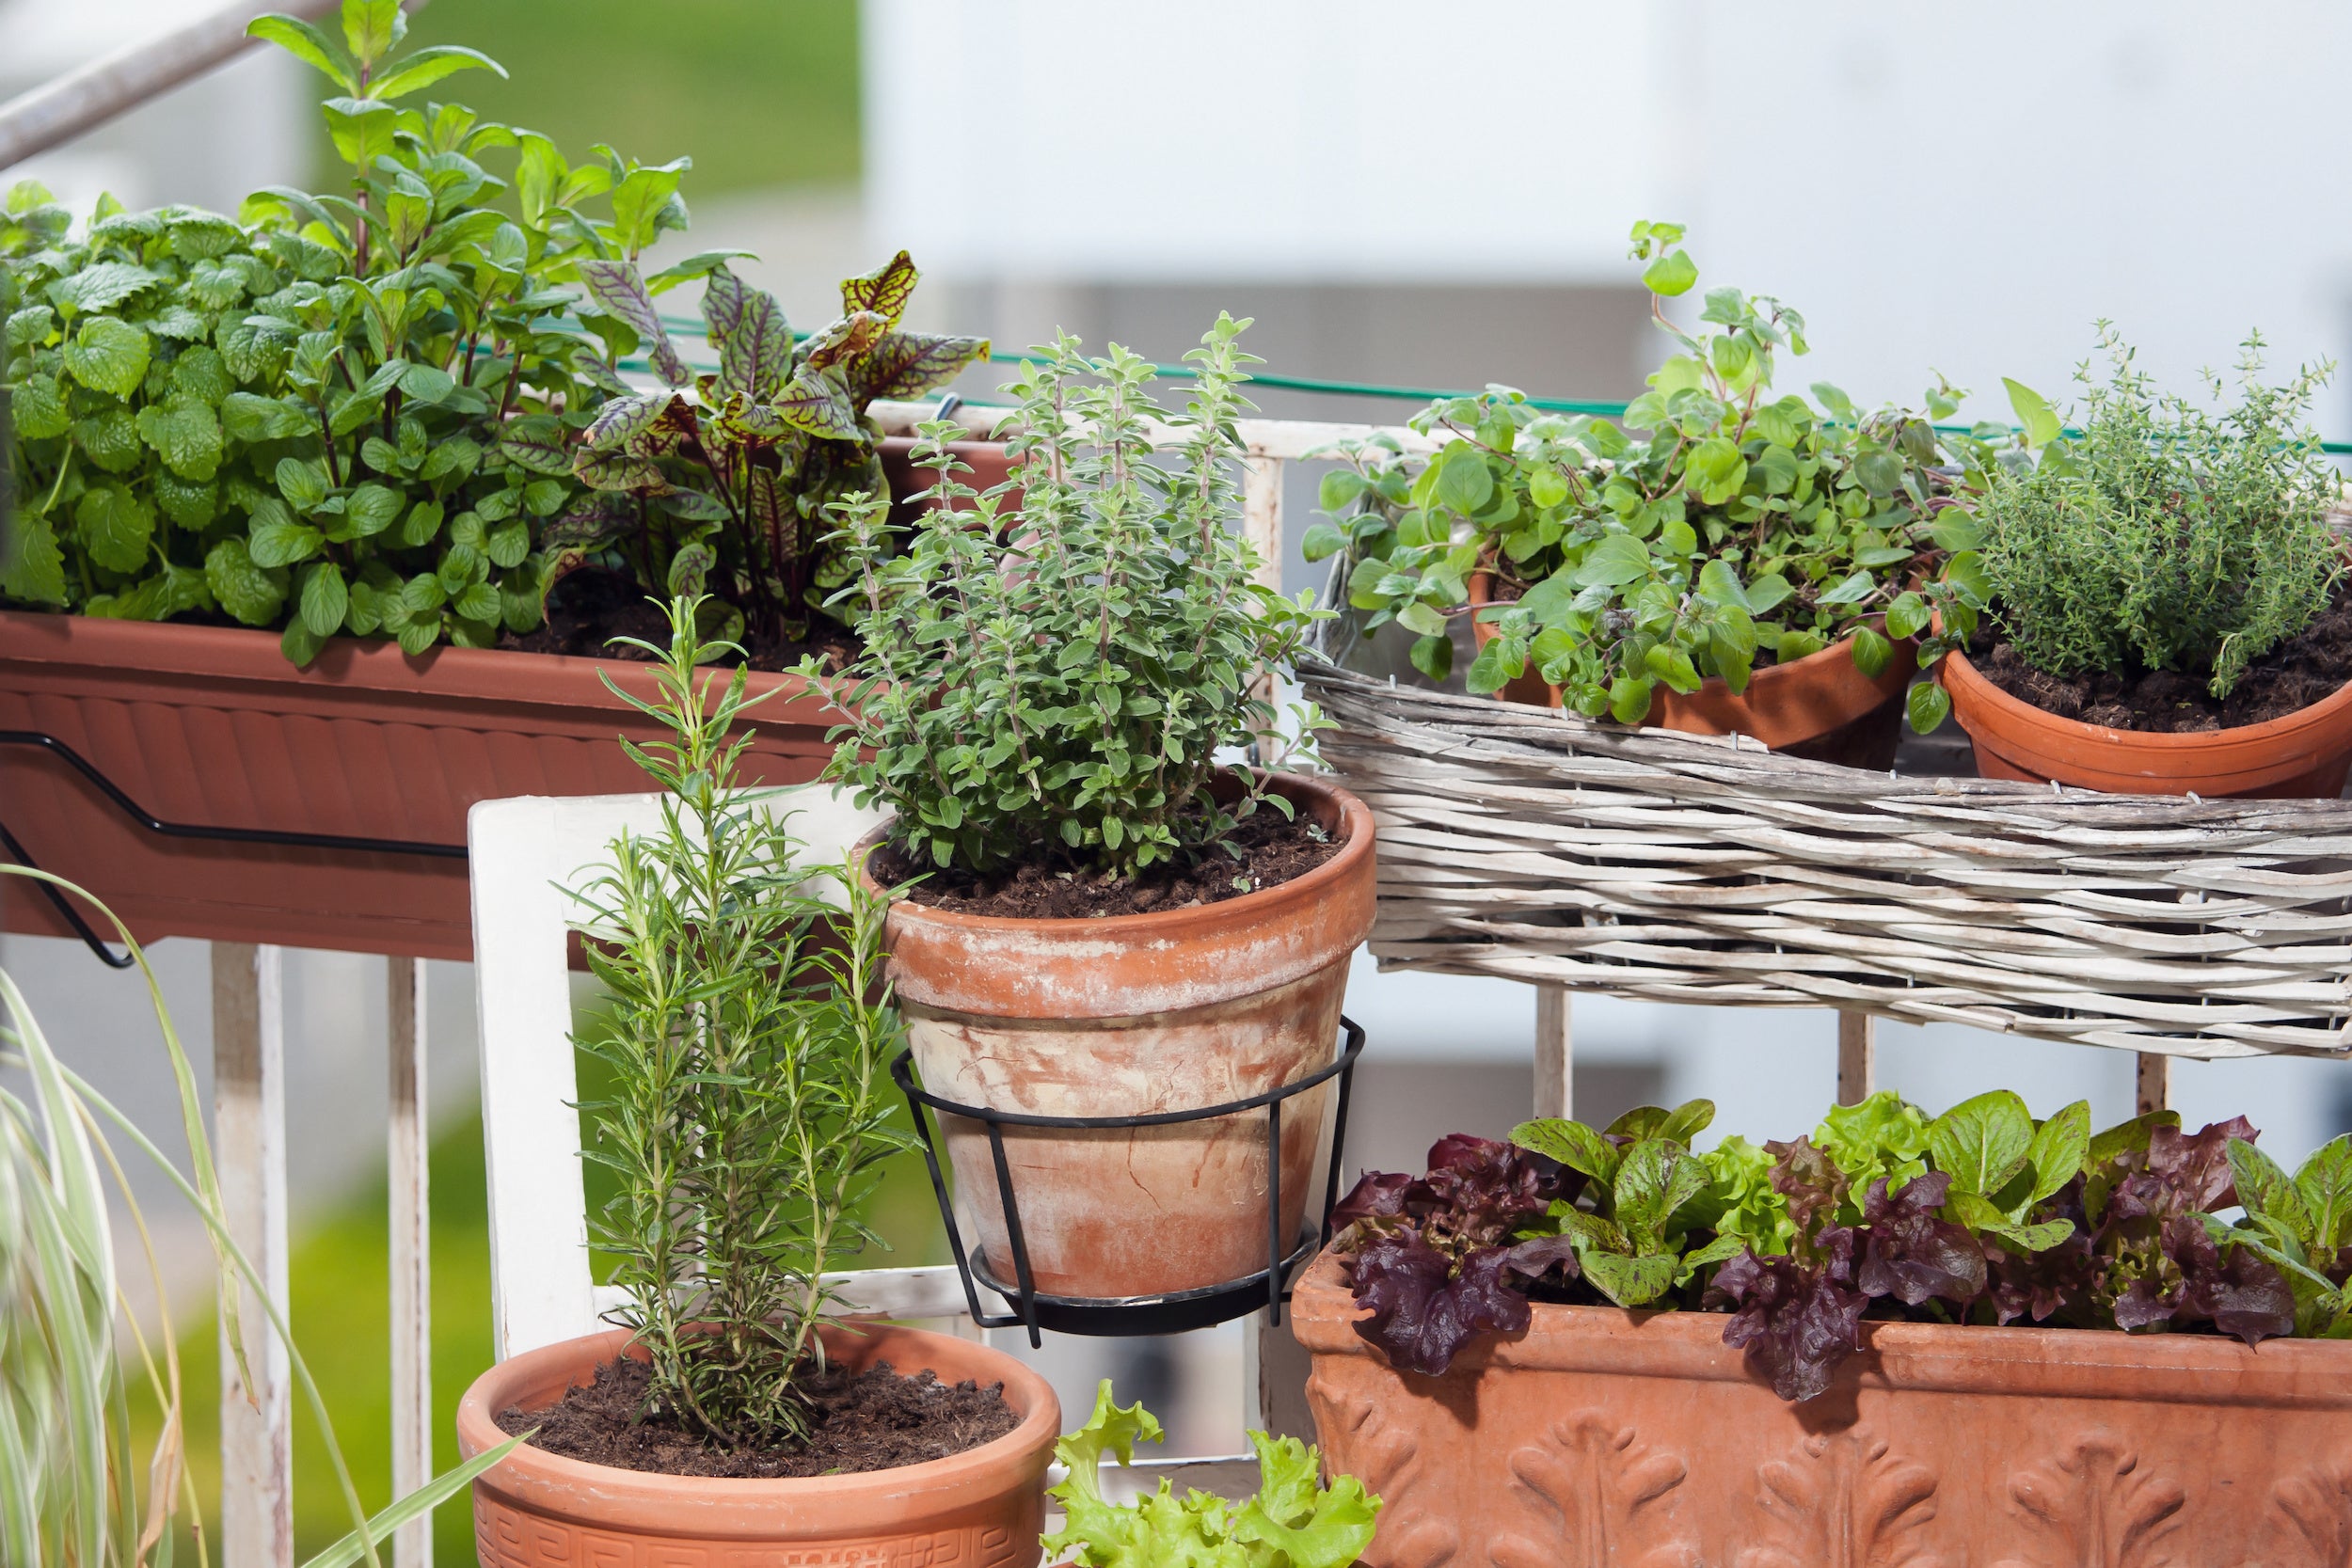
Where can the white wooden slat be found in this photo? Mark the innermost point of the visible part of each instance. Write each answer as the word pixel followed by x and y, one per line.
pixel 525 852
pixel 407 1149
pixel 249 1142
pixel 2153 1084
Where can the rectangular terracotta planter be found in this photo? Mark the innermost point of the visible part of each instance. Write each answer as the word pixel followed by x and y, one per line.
pixel 211 725
pixel 1608 1438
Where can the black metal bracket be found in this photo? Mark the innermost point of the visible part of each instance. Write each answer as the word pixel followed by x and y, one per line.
pixel 273 837
pixel 1172 1313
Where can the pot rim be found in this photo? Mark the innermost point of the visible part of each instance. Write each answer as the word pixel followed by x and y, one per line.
pixel 1981 690
pixel 1356 845
pixel 2198 1369
pixel 184 652
pixel 823 1506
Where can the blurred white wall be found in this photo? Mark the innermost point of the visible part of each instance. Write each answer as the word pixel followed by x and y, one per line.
pixel 1964 186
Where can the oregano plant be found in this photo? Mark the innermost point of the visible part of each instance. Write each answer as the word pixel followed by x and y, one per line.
pixel 748 1046
pixel 1054 679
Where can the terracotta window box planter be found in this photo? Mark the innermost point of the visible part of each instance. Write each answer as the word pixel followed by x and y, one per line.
pixel 980 1509
pixel 1603 1437
pixel 211 726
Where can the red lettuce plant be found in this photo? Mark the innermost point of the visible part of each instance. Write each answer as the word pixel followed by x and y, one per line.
pixel 1982 1215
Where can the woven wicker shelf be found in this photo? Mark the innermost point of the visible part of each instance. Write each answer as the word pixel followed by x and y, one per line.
pixel 1532 846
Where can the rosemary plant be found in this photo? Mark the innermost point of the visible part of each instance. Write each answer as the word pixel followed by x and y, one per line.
pixel 1054 680
pixel 748 1035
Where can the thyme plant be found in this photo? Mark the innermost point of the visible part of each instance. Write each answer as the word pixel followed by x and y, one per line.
pixel 748 1035
pixel 2165 536
pixel 1055 679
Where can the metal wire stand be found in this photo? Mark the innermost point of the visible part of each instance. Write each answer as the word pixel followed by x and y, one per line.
pixel 1171 1313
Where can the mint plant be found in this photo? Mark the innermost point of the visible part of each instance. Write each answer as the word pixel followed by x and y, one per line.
pixel 337 413
pixel 2162 535
pixel 1745 528
pixel 748 1035
pixel 727 491
pixel 1055 681
pixel 1296 1520
pixel 1981 1216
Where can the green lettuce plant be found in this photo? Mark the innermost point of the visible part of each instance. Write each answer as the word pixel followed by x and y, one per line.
pixel 727 491
pixel 1055 681
pixel 1743 528
pixel 2162 535
pixel 1293 1522
pixel 339 413
pixel 1982 1215
pixel 749 1104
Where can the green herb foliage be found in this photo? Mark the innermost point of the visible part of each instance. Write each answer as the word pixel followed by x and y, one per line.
pixel 727 491
pixel 748 1111
pixel 1293 1522
pixel 2165 536
pixel 341 414
pixel 1980 1215
pixel 1745 528
pixel 1055 681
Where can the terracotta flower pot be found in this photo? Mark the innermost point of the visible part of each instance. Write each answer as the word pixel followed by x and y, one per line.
pixel 2303 755
pixel 211 726
pixel 991 462
pixel 1607 1437
pixel 981 1509
pixel 1134 1015
pixel 1820 706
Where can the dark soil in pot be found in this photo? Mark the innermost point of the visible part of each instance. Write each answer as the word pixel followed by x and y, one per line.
pixel 2298 673
pixel 873 1420
pixel 1267 851
pixel 589 607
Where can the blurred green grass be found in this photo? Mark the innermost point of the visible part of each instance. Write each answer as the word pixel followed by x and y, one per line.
pixel 760 93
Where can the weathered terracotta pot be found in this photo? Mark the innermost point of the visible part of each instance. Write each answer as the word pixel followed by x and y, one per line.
pixel 1608 1438
pixel 1134 1015
pixel 982 1509
pixel 2302 756
pixel 1820 706
pixel 211 725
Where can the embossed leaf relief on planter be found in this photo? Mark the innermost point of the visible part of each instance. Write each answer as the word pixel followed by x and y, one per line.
pixel 1842 1500
pixel 1384 1455
pixel 2093 1506
pixel 1597 1499
pixel 2310 1519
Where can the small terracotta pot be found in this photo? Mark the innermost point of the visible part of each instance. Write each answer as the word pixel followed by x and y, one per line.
pixel 1134 1015
pixel 991 463
pixel 981 1509
pixel 1607 1437
pixel 211 725
pixel 2304 755
pixel 1820 707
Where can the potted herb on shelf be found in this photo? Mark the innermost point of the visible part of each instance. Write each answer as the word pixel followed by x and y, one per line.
pixel 1756 564
pixel 2167 612
pixel 1106 919
pixel 302 484
pixel 747 1115
pixel 1971 1338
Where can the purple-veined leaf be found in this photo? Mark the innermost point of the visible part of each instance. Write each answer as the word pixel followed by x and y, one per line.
pixel 815 402
pixel 755 351
pixel 908 364
pixel 842 340
pixel 641 425
pixel 884 291
pixel 618 471
pixel 592 522
pixel 618 289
